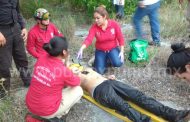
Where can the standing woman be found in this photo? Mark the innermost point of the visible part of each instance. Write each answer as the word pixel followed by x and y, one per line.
pixel 47 96
pixel 108 39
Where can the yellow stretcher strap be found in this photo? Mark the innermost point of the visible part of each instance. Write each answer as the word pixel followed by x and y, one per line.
pixel 124 118
pixel 76 66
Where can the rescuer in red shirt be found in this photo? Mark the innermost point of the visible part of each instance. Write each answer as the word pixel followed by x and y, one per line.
pixel 47 96
pixel 41 33
pixel 108 40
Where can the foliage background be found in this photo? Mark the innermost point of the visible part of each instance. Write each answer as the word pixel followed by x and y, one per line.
pixel 86 6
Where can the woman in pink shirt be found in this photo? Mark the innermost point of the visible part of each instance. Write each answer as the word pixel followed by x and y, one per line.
pixel 41 33
pixel 47 96
pixel 108 38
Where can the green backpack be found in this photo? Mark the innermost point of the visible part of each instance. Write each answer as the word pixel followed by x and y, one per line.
pixel 138 52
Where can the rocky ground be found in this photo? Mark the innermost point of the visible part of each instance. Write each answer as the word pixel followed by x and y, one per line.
pixel 150 78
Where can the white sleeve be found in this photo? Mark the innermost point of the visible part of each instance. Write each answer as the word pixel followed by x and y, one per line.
pixel 114 2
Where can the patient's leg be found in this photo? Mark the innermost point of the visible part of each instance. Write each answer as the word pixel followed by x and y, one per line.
pixel 148 103
pixel 105 95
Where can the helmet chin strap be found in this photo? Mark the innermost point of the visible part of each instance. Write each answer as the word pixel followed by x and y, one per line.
pixel 43 24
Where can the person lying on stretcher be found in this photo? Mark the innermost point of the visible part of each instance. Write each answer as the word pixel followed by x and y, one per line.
pixel 113 94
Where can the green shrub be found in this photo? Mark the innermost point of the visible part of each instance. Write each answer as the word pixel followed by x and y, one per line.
pixel 89 5
pixel 28 7
pixel 130 6
pixel 54 2
pixel 167 1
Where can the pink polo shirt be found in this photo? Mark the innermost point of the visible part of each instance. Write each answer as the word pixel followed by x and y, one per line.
pixel 105 39
pixel 37 37
pixel 49 78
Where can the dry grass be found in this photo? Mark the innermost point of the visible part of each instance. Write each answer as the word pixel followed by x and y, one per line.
pixel 173 21
pixel 66 25
pixel 11 110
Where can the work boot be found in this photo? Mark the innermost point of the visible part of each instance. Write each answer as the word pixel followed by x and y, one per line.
pixel 146 119
pixel 153 43
pixel 119 16
pixel 64 118
pixel 187 117
pixel 183 116
pixel 55 119
pixel 4 87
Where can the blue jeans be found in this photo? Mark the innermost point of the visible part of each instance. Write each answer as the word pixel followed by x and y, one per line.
pixel 119 11
pixel 102 57
pixel 152 12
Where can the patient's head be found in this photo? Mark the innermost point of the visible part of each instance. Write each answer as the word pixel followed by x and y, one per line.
pixel 179 61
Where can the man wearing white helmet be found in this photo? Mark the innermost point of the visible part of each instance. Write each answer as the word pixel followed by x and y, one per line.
pixel 41 33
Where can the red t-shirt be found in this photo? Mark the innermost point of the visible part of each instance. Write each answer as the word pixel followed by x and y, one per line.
pixel 105 39
pixel 49 78
pixel 37 37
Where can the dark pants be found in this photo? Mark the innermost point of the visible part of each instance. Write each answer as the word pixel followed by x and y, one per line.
pixel 113 94
pixel 119 11
pixel 14 48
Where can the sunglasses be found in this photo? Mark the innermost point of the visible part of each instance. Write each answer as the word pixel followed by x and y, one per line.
pixel 46 16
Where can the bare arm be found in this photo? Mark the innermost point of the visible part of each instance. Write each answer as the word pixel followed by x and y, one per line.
pixel 83 81
pixel 122 49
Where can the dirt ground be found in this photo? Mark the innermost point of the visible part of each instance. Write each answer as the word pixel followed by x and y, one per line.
pixel 150 79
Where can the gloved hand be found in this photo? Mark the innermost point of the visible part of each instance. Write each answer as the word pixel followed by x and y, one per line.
pixel 79 54
pixel 121 56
